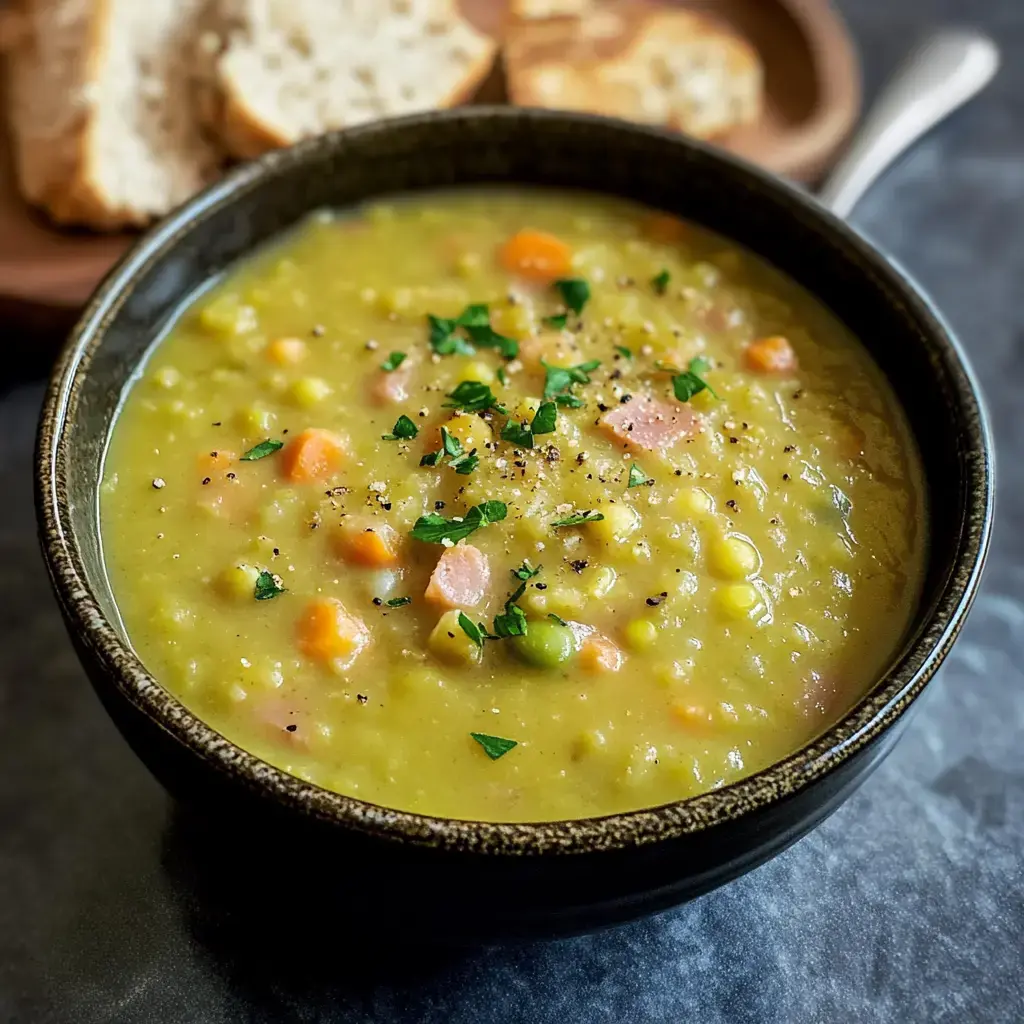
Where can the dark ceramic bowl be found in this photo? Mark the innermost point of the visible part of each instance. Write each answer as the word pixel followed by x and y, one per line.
pixel 476 876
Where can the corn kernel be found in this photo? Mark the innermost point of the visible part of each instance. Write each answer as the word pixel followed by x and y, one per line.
pixel 601 581
pixel 733 557
pixel 694 501
pixel 468 264
pixel 738 600
pixel 287 351
pixel 525 409
pixel 620 521
pixel 450 643
pixel 471 431
pixel 238 582
pixel 227 317
pixel 640 634
pixel 476 370
pixel 254 420
pixel 513 321
pixel 309 391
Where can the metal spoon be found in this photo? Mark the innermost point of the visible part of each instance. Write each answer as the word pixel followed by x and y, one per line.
pixel 939 76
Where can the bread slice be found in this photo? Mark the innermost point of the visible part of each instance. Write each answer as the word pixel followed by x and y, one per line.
pixel 100 94
pixel 661 65
pixel 550 8
pixel 294 68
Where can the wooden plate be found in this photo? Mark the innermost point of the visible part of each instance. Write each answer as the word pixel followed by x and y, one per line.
pixel 813 97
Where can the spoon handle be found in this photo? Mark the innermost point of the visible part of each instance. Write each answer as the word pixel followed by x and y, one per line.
pixel 940 75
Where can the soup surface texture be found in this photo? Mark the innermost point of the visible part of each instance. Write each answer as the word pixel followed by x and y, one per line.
pixel 512 506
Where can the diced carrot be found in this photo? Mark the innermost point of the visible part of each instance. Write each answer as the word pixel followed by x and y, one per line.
pixel 329 634
pixel 363 540
pixel 771 355
pixel 600 654
pixel 664 228
pixel 460 579
pixel 536 255
pixel 287 351
pixel 693 716
pixel 313 455
pixel 215 461
pixel 648 423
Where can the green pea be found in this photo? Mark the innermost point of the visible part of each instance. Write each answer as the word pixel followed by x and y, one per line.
pixel 546 644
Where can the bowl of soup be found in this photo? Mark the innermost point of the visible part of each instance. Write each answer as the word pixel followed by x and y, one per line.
pixel 538 519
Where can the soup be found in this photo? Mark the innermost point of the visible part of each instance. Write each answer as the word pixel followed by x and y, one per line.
pixel 512 505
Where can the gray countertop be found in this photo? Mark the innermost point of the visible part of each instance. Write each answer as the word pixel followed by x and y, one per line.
pixel 907 904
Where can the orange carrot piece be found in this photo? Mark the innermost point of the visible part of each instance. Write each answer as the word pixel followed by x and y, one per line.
pixel 215 461
pixel 460 579
pixel 771 355
pixel 664 228
pixel 313 455
pixel 362 540
pixel 536 255
pixel 598 654
pixel 329 634
pixel 693 716
pixel 287 351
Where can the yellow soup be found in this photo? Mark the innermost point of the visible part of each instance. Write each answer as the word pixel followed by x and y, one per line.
pixel 512 505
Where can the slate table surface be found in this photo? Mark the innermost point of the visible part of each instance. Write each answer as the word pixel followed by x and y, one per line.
pixel 907 904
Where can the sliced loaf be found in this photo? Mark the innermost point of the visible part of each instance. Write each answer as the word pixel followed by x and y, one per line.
pixel 101 100
pixel 294 68
pixel 661 65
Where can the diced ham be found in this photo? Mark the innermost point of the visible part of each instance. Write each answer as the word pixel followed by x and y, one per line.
pixel 460 579
pixel 394 386
pixel 648 423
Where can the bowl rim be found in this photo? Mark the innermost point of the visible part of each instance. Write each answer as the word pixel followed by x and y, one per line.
pixel 872 715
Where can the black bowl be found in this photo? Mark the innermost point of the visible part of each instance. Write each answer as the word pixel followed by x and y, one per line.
pixel 478 877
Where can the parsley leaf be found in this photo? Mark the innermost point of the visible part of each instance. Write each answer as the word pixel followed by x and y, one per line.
pixel 557 618
pixel 473 396
pixel 626 353
pixel 502 376
pixel 558 321
pixel 450 444
pixel 475 320
pixel 574 291
pixel 545 418
pixel 462 462
pixel 570 400
pixel 512 622
pixel 518 434
pixel 465 463
pixel 262 450
pixel 444 341
pixel 267 586
pixel 494 746
pixel 403 430
pixel 475 315
pixel 558 379
pixel 487 337
pixel 690 382
pixel 476 632
pixel 637 477
pixel 393 361
pixel 525 571
pixel 660 282
pixel 435 529
pixel 398 602
pixel 579 517
pixel 432 458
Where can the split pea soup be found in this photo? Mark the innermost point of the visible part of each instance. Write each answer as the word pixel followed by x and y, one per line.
pixel 512 505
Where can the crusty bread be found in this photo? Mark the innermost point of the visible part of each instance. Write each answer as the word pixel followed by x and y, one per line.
pixel 294 68
pixel 549 8
pixel 101 109
pixel 660 65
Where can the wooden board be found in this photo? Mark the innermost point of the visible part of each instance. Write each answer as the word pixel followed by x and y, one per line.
pixel 813 97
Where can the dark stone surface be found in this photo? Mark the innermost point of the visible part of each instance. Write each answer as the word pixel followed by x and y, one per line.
pixel 907 904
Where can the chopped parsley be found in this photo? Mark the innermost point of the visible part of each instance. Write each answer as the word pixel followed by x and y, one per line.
pixel 475 631
pixel 393 361
pixel 465 464
pixel 435 529
pixel 262 450
pixel 575 292
pixel 475 321
pixel 267 586
pixel 518 434
pixel 558 321
pixel 545 418
pixel 502 376
pixel 626 353
pixel 690 381
pixel 559 379
pixel 512 622
pixel 557 618
pixel 462 462
pixel 637 477
pixel 494 746
pixel 526 571
pixel 398 602
pixel 403 430
pixel 472 396
pixel 579 517
pixel 660 282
